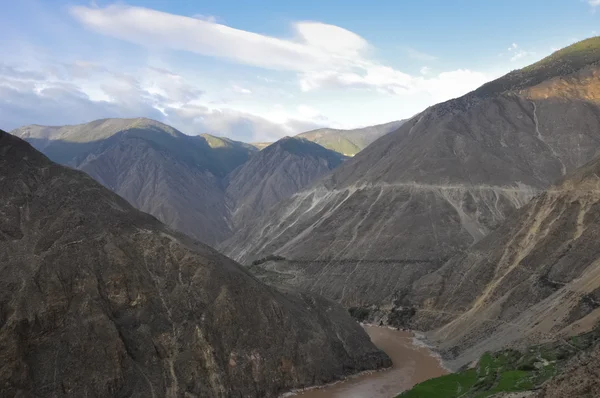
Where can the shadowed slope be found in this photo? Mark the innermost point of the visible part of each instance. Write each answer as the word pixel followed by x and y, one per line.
pixel 99 299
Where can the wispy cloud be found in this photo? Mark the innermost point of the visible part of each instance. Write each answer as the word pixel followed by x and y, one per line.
pixel 64 94
pixel 322 55
pixel 240 90
pixel 517 52
pixel 207 18
pixel 418 55
pixel 314 46
pixel 314 57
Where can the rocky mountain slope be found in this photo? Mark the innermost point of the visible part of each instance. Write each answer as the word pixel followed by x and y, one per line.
pixel 536 278
pixel 231 153
pixel 100 299
pixel 180 179
pixel 159 170
pixel 274 174
pixel 349 142
pixel 441 182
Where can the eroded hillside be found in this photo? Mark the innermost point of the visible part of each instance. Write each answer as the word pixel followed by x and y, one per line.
pixel 440 183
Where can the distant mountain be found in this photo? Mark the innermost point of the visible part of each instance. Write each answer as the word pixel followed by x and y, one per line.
pixel 204 186
pixel 230 153
pixel 349 142
pixel 158 169
pixel 441 182
pixel 99 299
pixel 276 173
pixel 260 145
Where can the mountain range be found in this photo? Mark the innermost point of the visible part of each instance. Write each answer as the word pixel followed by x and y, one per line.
pixel 100 299
pixel 474 222
pixel 203 186
pixel 410 201
pixel 350 142
pixel 345 142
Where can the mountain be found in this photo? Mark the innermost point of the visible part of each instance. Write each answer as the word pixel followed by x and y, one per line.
pixel 536 278
pixel 442 181
pixel 345 142
pixel 260 145
pixel 349 142
pixel 275 173
pixel 158 169
pixel 231 153
pixel 100 299
pixel 204 186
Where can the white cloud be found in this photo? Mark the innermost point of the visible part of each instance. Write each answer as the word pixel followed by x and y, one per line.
pixel 322 55
pixel 517 52
pixel 444 86
pixel 418 55
pixel 240 90
pixel 83 91
pixel 196 119
pixel 315 45
pixel 594 3
pixel 207 18
pixel 425 70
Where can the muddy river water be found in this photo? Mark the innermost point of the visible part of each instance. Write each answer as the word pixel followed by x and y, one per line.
pixel 412 364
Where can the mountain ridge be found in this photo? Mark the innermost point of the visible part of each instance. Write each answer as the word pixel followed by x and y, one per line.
pixel 442 181
pixel 186 181
pixel 99 298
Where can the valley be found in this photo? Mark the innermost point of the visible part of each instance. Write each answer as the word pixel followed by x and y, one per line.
pixel 252 252
pixel 412 364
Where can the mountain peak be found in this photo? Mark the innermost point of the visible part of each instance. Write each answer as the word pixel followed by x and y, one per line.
pixel 561 63
pixel 303 147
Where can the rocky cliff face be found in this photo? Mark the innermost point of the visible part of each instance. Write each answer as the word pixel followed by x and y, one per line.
pixel 440 183
pixel 99 299
pixel 274 174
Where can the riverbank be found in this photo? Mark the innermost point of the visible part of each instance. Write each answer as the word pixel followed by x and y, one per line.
pixel 413 363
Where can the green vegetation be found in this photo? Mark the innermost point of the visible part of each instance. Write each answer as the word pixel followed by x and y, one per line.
pixel 339 144
pixel 561 63
pixel 506 371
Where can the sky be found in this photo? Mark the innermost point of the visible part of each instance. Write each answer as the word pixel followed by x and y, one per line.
pixel 258 70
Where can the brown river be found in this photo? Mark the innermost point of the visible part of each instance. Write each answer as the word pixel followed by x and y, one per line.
pixel 412 364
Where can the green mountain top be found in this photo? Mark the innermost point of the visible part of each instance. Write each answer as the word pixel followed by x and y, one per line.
pixel 561 63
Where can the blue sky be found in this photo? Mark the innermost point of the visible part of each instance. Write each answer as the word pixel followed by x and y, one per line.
pixel 259 70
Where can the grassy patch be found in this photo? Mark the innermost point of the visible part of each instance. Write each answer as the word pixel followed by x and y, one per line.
pixel 444 387
pixel 506 371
